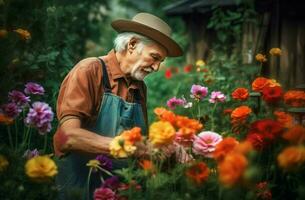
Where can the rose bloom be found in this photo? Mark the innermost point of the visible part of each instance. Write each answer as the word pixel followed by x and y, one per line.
pixel 198 172
pixel 40 168
pixel 272 94
pixel 295 134
pixel 240 94
pixel 284 118
pixel 174 102
pixel 240 114
pixel 261 58
pixel 295 98
pixel 161 133
pixel 133 135
pixel 291 157
pixel 23 34
pixel 259 84
pixel 205 143
pixel 104 194
pixel 232 168
pixel 224 147
pixel 275 51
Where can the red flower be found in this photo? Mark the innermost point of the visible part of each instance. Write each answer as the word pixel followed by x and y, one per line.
pixel 188 68
pixel 272 94
pixel 240 94
pixel 198 172
pixel 256 140
pixel 168 73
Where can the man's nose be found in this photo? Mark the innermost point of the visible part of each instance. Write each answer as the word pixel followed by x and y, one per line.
pixel 155 66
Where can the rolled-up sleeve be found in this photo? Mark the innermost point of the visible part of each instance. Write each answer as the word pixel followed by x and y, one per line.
pixel 78 93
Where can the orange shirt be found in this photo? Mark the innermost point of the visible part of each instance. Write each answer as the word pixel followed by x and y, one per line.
pixel 82 89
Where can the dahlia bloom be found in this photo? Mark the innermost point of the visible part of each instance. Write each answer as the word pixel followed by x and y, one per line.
pixel 18 97
pixel 205 143
pixel 121 149
pixel 33 88
pixel 105 162
pixel 40 116
pixel 240 94
pixel 161 133
pixel 217 96
pixel 198 92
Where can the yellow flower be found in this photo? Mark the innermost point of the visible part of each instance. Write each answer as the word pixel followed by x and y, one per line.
pixel 200 63
pixel 41 168
pixel 23 34
pixel 275 51
pixel 261 58
pixel 3 163
pixel 3 33
pixel 273 83
pixel 161 133
pixel 94 164
pixel 119 148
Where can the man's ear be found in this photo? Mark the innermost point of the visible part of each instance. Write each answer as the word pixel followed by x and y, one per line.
pixel 132 44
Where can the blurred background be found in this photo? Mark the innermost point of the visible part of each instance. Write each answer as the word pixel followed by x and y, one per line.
pixel 42 40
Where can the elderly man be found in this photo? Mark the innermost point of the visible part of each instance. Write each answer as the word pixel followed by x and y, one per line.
pixel 102 96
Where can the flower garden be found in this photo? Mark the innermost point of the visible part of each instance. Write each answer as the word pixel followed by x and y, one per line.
pixel 218 129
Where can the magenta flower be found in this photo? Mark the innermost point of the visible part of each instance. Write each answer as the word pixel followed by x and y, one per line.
pixel 198 92
pixel 105 162
pixel 112 183
pixel 33 88
pixel 40 116
pixel 11 109
pixel 104 194
pixel 174 102
pixel 205 143
pixel 217 96
pixel 28 154
pixel 18 97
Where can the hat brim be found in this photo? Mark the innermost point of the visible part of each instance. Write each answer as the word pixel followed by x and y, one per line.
pixel 173 49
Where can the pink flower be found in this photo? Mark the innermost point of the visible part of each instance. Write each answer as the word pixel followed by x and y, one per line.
pixel 217 96
pixel 18 97
pixel 33 88
pixel 11 110
pixel 104 194
pixel 173 102
pixel 205 143
pixel 198 92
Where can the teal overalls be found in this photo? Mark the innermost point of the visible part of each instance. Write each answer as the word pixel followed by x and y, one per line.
pixel 115 115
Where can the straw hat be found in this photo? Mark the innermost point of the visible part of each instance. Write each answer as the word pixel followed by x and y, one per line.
pixel 151 27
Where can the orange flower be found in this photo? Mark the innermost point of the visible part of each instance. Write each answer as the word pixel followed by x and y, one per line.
pixel 3 33
pixel 165 115
pixel 284 118
pixel 23 34
pixel 133 135
pixel 275 51
pixel 182 121
pixel 5 119
pixel 259 84
pixel 227 111
pixel 295 134
pixel 147 165
pixel 240 94
pixel 232 168
pixel 295 98
pixel 240 114
pixel 224 147
pixel 291 157
pixel 273 83
pixel 243 147
pixel 261 58
pixel 198 172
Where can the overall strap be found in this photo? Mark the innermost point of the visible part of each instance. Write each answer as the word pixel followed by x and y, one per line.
pixel 106 82
pixel 137 96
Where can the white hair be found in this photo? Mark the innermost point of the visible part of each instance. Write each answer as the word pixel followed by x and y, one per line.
pixel 122 39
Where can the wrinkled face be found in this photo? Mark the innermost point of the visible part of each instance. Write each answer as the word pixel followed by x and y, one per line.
pixel 147 61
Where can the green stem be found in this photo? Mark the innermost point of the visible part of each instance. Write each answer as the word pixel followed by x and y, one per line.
pixel 212 117
pixel 10 136
pixel 199 113
pixel 45 143
pixel 88 183
pixel 24 143
pixel 16 139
